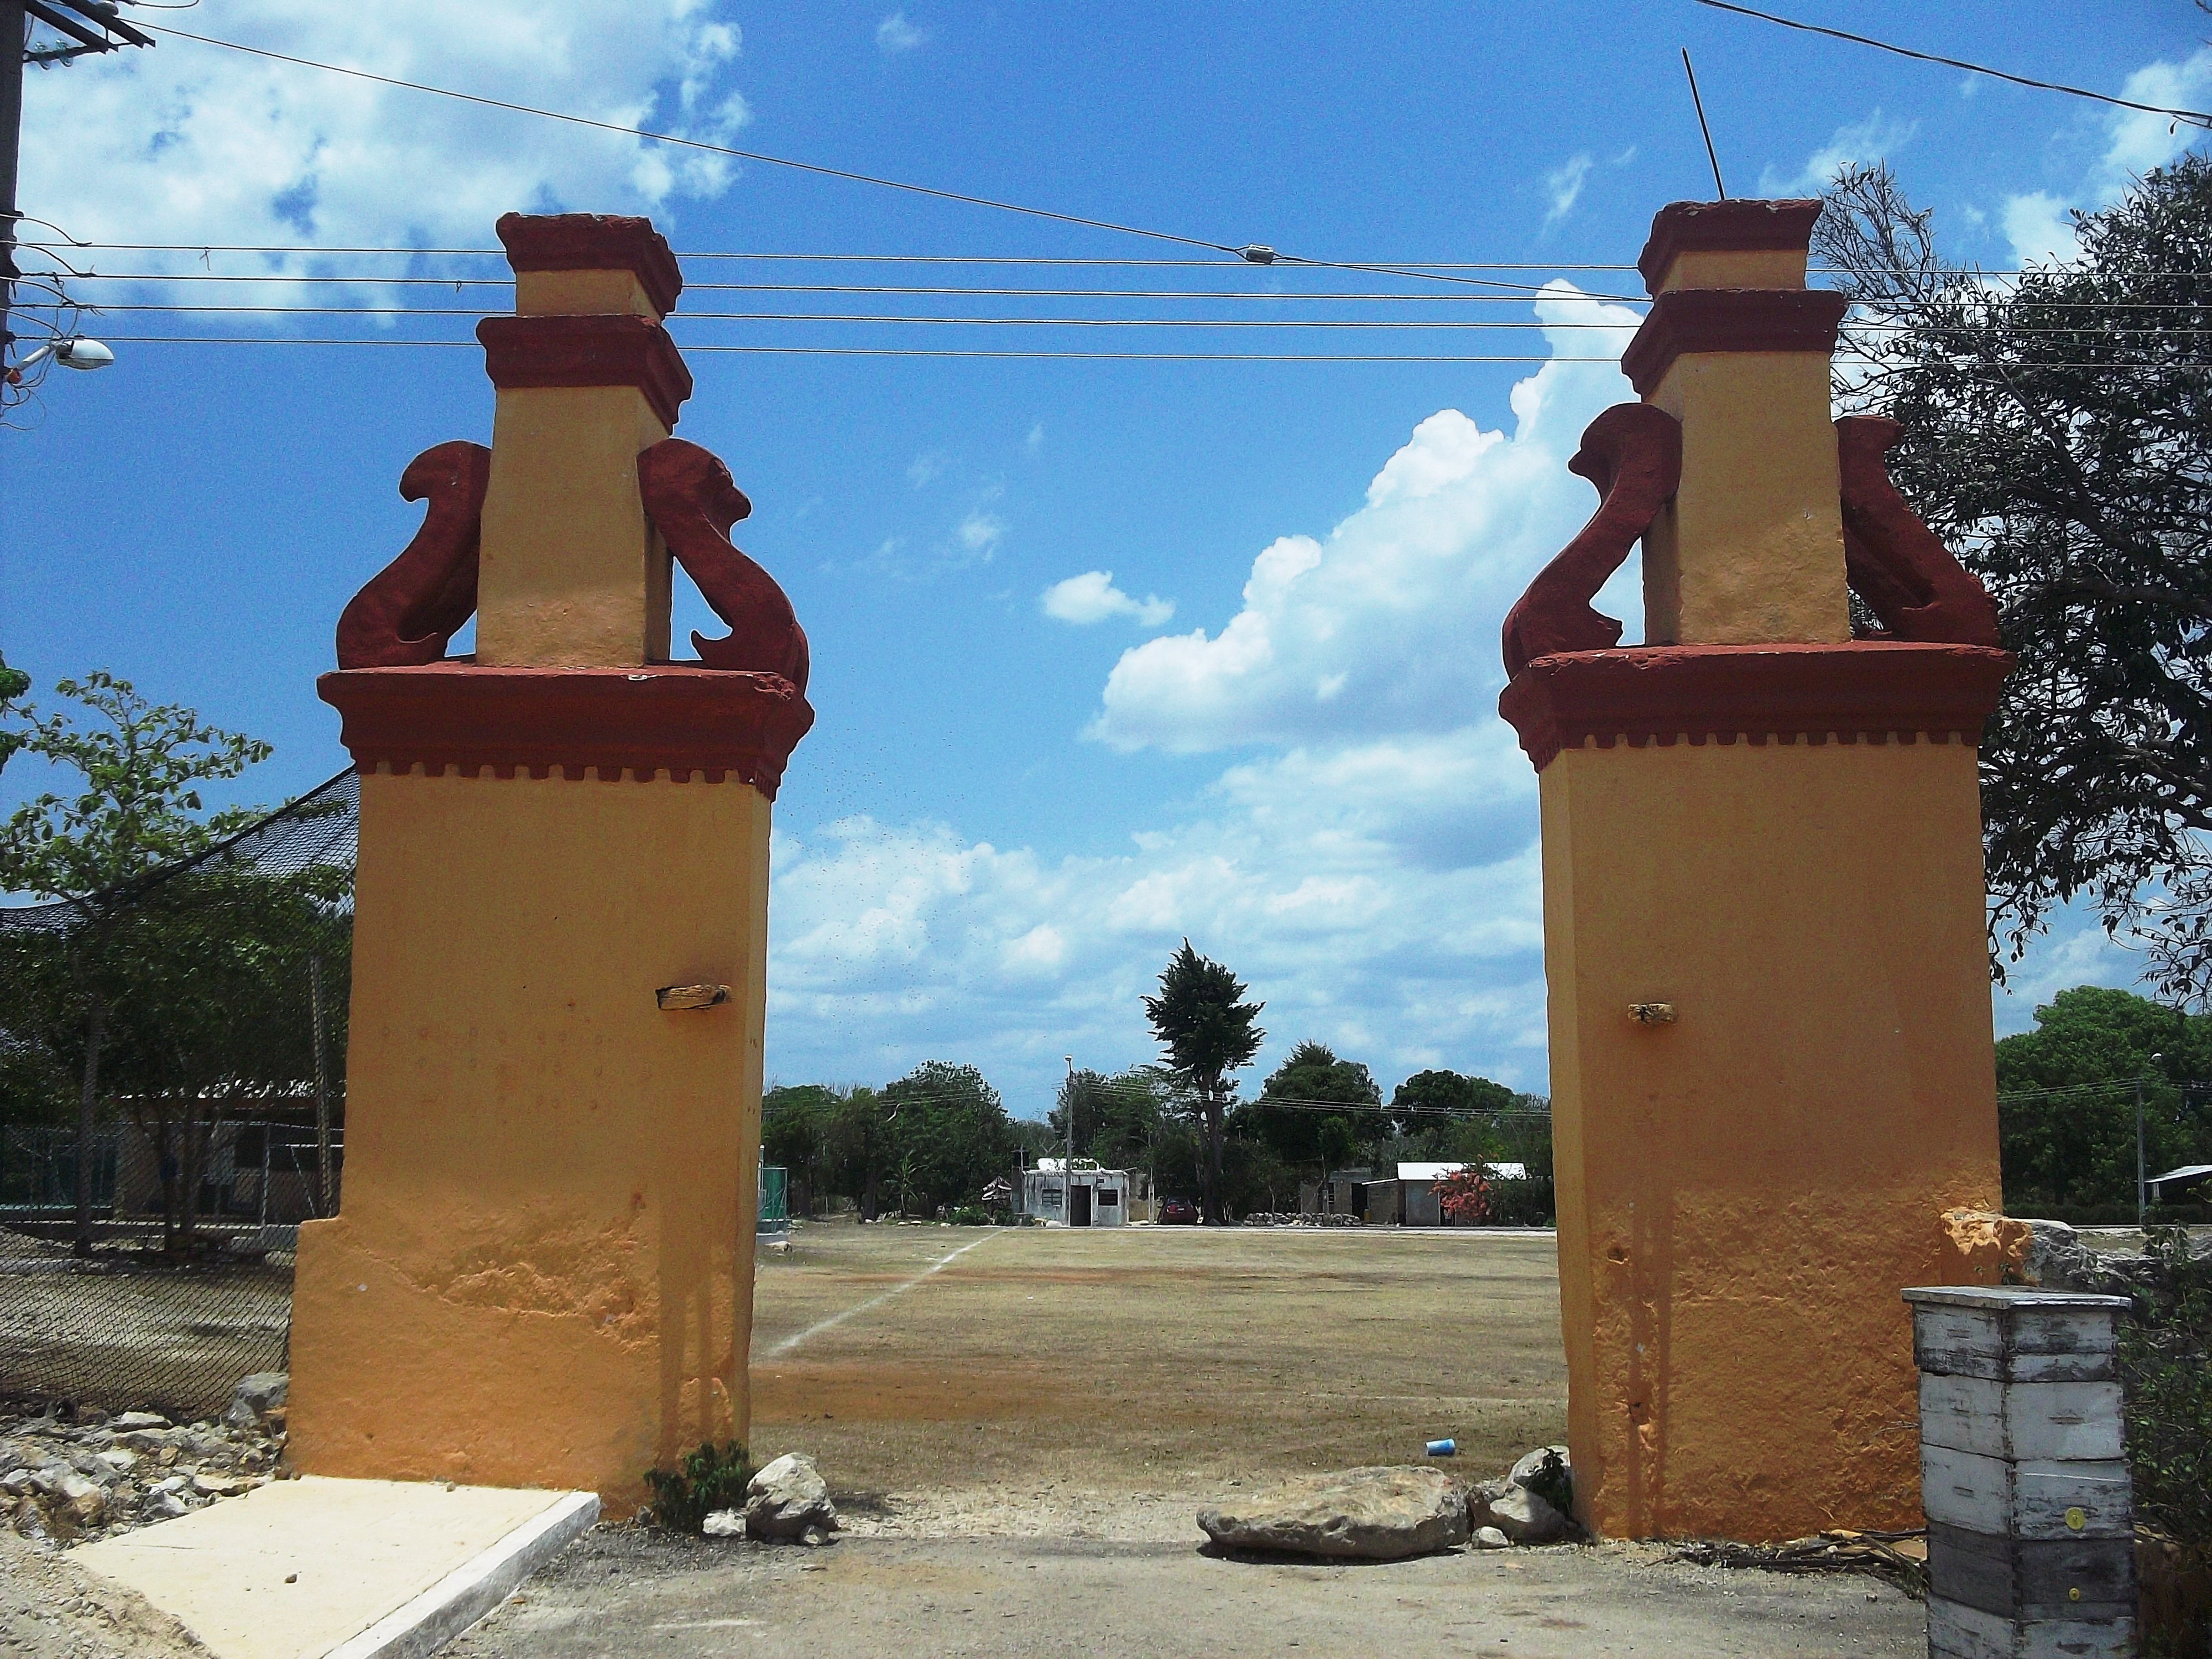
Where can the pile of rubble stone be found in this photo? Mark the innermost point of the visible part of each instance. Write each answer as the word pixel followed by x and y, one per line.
pixel 1292 1218
pixel 85 1474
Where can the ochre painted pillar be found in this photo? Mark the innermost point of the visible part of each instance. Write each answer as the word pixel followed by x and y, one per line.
pixel 1770 1048
pixel 542 1271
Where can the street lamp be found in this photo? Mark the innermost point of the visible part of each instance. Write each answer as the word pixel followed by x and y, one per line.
pixel 76 352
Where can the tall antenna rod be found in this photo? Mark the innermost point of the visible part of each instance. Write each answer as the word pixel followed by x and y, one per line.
pixel 1699 104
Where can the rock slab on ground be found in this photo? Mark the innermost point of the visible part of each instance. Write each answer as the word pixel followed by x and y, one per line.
pixel 1523 1517
pixel 256 1397
pixel 787 1500
pixel 1360 1515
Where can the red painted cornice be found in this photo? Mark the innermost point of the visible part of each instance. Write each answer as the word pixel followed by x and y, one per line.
pixel 594 241
pixel 1740 227
pixel 1685 319
pixel 612 349
pixel 679 718
pixel 1868 690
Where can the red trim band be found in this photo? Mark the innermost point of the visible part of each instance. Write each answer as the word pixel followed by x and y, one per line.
pixel 594 351
pixel 594 241
pixel 1868 690
pixel 673 717
pixel 1686 320
pixel 1724 227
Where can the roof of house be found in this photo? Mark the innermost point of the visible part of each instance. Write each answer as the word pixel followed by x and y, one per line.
pixel 2186 1172
pixel 1438 1171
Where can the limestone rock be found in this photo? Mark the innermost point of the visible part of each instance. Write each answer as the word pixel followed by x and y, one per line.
pixel 1546 1472
pixel 255 1397
pixel 787 1499
pixel 130 1420
pixel 1489 1538
pixel 725 1523
pixel 1365 1515
pixel 1526 1518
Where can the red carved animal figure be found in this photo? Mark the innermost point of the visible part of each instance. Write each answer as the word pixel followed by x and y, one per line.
pixel 693 501
pixel 1893 562
pixel 1633 454
pixel 415 605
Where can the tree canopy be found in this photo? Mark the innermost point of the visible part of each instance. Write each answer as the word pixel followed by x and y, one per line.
pixel 2058 438
pixel 1301 1135
pixel 1208 1033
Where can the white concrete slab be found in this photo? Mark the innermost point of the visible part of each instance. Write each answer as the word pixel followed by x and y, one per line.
pixel 368 1569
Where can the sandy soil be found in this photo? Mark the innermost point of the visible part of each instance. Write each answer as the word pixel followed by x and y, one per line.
pixel 1053 1384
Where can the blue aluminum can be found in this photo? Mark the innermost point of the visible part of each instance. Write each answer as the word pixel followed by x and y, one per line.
pixel 1444 1449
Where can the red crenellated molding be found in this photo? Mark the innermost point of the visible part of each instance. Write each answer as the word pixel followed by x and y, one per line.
pixel 1867 691
pixel 612 349
pixel 679 718
pixel 594 241
pixel 1740 227
pixel 1687 320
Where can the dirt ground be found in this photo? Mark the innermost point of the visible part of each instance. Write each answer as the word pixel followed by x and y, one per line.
pixel 954 1380
pixel 53 1608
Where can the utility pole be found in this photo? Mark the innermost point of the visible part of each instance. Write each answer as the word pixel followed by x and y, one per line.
pixel 90 25
pixel 1068 1178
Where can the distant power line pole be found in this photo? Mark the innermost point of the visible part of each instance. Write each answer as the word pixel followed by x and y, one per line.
pixel 85 26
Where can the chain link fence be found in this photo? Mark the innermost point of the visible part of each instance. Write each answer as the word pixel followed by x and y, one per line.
pixel 187 1031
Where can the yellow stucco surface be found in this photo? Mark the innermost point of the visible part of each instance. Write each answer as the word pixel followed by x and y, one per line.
pixel 1743 1194
pixel 1776 267
pixel 1751 548
pixel 573 292
pixel 572 574
pixel 542 1272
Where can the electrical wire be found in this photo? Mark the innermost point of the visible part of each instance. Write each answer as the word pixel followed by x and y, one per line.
pixel 896 351
pixel 2197 117
pixel 881 316
pixel 1250 253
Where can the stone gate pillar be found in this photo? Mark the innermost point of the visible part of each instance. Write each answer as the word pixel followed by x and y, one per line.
pixel 1771 1046
pixel 541 1270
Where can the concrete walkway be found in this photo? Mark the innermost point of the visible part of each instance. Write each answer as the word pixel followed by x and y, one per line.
pixel 624 1592
pixel 299 1568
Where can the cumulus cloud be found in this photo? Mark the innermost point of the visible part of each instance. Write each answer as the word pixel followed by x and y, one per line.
pixel 2037 223
pixel 1389 625
pixel 1564 186
pixel 1370 867
pixel 194 145
pixel 895 35
pixel 1092 598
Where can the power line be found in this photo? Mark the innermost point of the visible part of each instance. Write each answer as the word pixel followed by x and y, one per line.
pixel 1251 253
pixel 457 283
pixel 899 351
pixel 2197 117
pixel 851 258
pixel 887 318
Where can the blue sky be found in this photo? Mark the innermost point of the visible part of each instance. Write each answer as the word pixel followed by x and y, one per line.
pixel 1106 652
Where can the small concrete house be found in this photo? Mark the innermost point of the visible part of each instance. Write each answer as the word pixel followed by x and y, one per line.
pixel 1089 1197
pixel 1411 1199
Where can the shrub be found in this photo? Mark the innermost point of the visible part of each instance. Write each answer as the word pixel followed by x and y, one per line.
pixel 2165 1362
pixel 713 1477
pixel 969 1215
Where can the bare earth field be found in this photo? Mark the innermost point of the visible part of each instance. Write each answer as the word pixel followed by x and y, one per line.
pixel 1053 1382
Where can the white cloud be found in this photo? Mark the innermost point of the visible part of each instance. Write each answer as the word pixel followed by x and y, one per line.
pixel 1389 625
pixel 2037 224
pixel 192 144
pixel 1092 598
pixel 1034 442
pixel 981 532
pixel 1862 143
pixel 895 35
pixel 1564 184
pixel 925 470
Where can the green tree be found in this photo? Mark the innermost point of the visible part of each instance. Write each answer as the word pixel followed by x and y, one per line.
pixel 136 977
pixel 2058 436
pixel 13 682
pixel 1424 1096
pixel 947 1134
pixel 2067 1133
pixel 1208 1034
pixel 796 1135
pixel 1313 1075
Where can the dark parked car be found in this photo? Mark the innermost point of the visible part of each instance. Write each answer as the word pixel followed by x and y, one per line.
pixel 1179 1212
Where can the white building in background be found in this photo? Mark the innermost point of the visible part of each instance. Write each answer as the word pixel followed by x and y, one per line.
pixel 1087 1197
